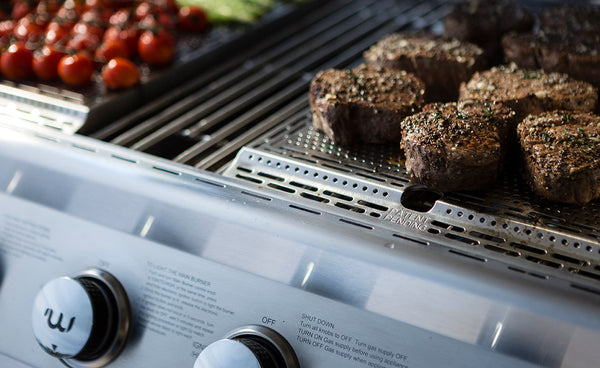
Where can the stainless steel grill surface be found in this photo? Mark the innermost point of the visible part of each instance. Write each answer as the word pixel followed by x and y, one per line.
pixel 216 212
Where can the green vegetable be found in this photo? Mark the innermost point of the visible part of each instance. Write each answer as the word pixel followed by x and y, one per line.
pixel 243 11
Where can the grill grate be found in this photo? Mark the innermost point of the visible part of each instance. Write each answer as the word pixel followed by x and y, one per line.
pixel 248 119
pixel 212 112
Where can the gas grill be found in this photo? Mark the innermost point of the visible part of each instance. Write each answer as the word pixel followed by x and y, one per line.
pixel 213 220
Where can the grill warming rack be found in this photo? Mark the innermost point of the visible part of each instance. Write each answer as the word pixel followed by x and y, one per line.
pixel 248 119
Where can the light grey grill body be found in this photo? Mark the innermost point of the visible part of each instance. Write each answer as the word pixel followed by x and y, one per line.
pixel 200 254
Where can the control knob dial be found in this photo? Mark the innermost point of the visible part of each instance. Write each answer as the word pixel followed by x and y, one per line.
pixel 249 347
pixel 82 320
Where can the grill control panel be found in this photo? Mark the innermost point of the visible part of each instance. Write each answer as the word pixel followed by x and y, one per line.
pixel 82 320
pixel 182 304
pixel 200 259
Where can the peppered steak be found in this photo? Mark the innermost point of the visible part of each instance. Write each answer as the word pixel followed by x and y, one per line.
pixel 450 147
pixel 364 104
pixel 561 154
pixel 530 92
pixel 568 42
pixel 441 63
pixel 485 22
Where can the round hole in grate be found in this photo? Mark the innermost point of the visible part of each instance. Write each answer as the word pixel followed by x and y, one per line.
pixel 419 198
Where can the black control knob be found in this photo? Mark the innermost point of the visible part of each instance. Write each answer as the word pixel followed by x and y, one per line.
pixel 249 347
pixel 82 320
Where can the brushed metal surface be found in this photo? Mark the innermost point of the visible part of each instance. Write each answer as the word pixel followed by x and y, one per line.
pixel 200 255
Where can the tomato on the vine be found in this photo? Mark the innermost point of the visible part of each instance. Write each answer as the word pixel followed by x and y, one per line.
pixel 45 62
pixel 156 47
pixel 160 20
pixel 16 61
pixel 6 29
pixel 83 42
pixel 82 27
pixel 120 73
pixel 193 18
pixel 123 17
pixel 169 6
pixel 21 9
pixel 47 7
pixel 76 70
pixel 27 29
pixel 128 35
pixel 110 49
pixel 56 34
pixel 144 9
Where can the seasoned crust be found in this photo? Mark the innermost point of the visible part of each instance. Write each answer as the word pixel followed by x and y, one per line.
pixel 530 92
pixel 442 63
pixel 561 155
pixel 449 147
pixel 364 104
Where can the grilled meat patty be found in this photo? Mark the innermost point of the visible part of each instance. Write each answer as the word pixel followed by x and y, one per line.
pixel 441 63
pixel 364 104
pixel 568 42
pixel 561 154
pixel 485 22
pixel 530 92
pixel 449 147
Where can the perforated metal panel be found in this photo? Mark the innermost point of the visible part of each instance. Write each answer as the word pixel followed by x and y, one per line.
pixel 370 183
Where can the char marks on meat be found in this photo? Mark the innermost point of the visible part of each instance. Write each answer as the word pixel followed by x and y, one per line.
pixel 568 42
pixel 441 63
pixel 530 92
pixel 485 22
pixel 364 104
pixel 450 147
pixel 561 154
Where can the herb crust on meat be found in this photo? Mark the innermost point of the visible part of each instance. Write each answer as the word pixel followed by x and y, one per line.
pixel 561 155
pixel 364 104
pixel 442 63
pixel 530 92
pixel 449 147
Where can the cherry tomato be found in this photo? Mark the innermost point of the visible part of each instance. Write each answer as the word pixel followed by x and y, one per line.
pixel 21 9
pixel 27 29
pixel 160 20
pixel 6 28
pixel 76 70
pixel 156 47
pixel 111 49
pixel 69 12
pixel 47 7
pixel 120 73
pixel 129 35
pixel 15 63
pixel 98 16
pixel 193 18
pixel 123 17
pixel 45 62
pixel 83 27
pixel 144 9
pixel 83 42
pixel 169 6
pixel 56 36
